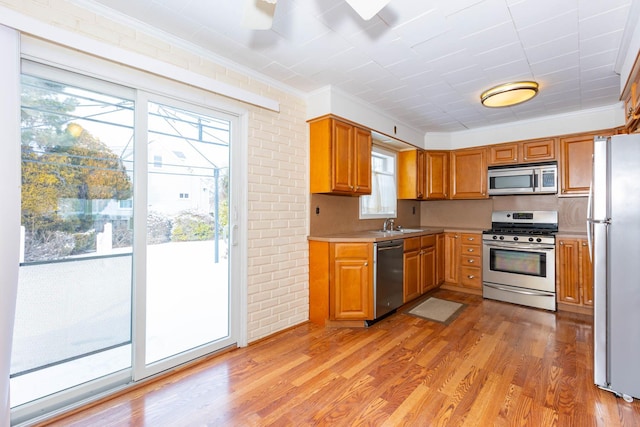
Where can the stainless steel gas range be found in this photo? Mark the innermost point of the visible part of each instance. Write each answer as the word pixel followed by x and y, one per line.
pixel 519 261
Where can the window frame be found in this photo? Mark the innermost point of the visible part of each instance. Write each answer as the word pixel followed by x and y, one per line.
pixel 380 151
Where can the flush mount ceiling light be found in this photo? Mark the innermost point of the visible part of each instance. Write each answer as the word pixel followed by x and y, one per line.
pixel 508 94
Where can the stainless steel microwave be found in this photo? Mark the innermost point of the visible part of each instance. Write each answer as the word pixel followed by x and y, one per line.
pixel 535 178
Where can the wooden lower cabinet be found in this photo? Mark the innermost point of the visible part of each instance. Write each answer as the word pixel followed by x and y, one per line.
pixel 420 266
pixel 340 281
pixel 463 262
pixel 440 259
pixel 411 272
pixel 574 275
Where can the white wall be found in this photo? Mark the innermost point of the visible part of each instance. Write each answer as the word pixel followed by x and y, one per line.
pixel 276 147
pixel 581 121
pixel 10 196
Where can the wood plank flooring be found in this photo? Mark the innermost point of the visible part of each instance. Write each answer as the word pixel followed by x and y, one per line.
pixel 497 364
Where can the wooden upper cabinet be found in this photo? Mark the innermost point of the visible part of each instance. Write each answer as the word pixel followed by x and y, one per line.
pixel 423 175
pixel 631 97
pixel 469 173
pixel 437 163
pixel 412 174
pixel 576 164
pixel 340 157
pixel 503 154
pixel 537 150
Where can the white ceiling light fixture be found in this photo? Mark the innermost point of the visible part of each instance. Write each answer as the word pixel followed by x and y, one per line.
pixel 508 94
pixel 367 8
pixel 258 14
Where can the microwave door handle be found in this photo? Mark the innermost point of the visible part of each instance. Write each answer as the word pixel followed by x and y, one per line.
pixel 536 180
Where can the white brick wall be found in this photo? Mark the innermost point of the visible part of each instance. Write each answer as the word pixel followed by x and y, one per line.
pixel 277 167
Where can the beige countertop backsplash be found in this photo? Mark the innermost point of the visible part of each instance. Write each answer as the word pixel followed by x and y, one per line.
pixel 339 214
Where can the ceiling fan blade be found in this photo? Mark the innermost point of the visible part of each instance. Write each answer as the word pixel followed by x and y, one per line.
pixel 258 14
pixel 367 8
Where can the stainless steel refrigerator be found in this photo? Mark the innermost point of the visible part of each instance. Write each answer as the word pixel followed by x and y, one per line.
pixel 614 231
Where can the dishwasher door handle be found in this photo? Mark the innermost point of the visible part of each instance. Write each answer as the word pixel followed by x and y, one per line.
pixel 387 248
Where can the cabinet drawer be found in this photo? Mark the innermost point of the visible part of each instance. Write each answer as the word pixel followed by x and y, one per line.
pixel 471 260
pixel 471 277
pixel 470 239
pixel 426 241
pixel 470 250
pixel 411 244
pixel 351 250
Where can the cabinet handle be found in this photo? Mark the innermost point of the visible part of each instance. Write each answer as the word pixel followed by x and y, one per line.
pixel 471 276
pixel 470 250
pixel 470 261
pixel 471 239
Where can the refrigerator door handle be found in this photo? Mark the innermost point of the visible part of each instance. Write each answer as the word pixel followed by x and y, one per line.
pixel 589 221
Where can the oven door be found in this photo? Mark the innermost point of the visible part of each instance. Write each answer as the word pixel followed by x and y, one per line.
pixel 519 264
pixel 512 181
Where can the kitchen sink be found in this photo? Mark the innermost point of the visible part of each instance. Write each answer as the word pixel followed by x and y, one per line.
pixel 396 232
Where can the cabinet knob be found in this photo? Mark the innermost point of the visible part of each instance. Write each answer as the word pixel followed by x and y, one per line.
pixel 471 239
pixel 471 276
pixel 470 261
pixel 562 243
pixel 584 244
pixel 470 250
pixel 366 264
pixel 630 112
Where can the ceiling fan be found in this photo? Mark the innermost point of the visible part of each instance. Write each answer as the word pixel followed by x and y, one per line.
pixel 258 14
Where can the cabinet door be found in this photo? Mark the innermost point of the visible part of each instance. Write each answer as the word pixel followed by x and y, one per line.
pixel 342 148
pixel 539 150
pixel 451 258
pixel 411 175
pixel 411 276
pixel 351 292
pixel 469 174
pixel 440 258
pixel 567 279
pixel 437 175
pixel 362 161
pixel 427 269
pixel 576 164
pixel 503 154
pixel 586 274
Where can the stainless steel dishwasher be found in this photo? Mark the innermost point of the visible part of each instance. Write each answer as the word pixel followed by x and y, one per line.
pixel 387 280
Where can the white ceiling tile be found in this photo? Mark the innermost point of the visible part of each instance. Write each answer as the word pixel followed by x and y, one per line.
pixel 424 62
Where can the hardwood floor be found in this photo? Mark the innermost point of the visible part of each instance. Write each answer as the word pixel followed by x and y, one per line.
pixel 496 364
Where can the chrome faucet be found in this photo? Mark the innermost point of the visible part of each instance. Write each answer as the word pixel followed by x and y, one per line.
pixel 388 224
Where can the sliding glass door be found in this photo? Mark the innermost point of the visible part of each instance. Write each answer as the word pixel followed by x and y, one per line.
pixel 187 269
pixel 125 249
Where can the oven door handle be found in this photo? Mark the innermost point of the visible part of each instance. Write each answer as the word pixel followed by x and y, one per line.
pixel 518 246
pixel 517 291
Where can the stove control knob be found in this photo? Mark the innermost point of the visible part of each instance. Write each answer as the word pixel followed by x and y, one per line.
pixel 501 237
pixel 538 240
pixel 515 238
pixel 531 239
pixel 495 237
